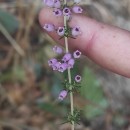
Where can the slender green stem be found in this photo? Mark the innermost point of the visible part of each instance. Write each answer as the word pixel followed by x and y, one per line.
pixel 69 73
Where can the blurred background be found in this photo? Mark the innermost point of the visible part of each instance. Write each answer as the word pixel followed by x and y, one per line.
pixel 29 88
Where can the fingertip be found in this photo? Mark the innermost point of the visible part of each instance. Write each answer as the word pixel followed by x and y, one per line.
pixel 46 16
pixel 102 43
pixel 40 17
pixel 43 16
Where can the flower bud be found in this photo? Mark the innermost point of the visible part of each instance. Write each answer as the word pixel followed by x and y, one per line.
pixel 57 12
pixel 62 67
pixel 77 9
pixel 66 11
pixel 57 4
pixel 77 78
pixel 60 31
pixel 71 63
pixel 62 95
pixel 52 61
pixel 57 49
pixel 49 27
pixel 77 54
pixel 76 31
pixel 56 66
pixel 66 57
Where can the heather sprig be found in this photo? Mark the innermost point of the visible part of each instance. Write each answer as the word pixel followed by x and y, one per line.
pixel 74 86
pixel 61 8
pixel 75 117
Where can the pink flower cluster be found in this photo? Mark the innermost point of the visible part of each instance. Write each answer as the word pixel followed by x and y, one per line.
pixel 56 4
pixel 59 10
pixel 67 61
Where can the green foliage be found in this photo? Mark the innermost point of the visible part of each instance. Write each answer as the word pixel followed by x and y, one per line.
pixel 48 107
pixel 8 21
pixel 17 74
pixel 73 87
pixel 92 91
pixel 55 109
pixel 75 117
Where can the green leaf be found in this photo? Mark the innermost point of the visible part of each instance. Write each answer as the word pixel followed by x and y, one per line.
pixel 8 21
pixel 17 74
pixel 48 107
pixel 92 91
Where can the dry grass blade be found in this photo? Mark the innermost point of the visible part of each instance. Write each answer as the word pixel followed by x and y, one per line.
pixel 11 40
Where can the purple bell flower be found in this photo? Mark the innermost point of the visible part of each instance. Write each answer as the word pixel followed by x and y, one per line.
pixel 66 11
pixel 56 66
pixel 49 3
pixel 71 63
pixel 77 78
pixel 60 31
pixel 52 61
pixel 62 95
pixel 62 67
pixel 77 54
pixel 76 31
pixel 49 27
pixel 57 49
pixel 57 4
pixel 66 57
pixel 77 9
pixel 57 12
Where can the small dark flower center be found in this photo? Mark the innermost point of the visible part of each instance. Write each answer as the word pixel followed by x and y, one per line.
pixel 66 11
pixel 78 78
pixel 79 9
pixel 56 12
pixel 77 53
pixel 60 30
pixel 77 29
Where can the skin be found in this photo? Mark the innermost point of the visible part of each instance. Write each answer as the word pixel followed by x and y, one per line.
pixel 106 45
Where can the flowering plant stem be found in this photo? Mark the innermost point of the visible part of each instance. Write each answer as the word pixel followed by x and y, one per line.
pixel 69 73
pixel 72 84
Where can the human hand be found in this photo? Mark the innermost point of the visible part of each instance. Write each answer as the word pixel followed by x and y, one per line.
pixel 106 45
